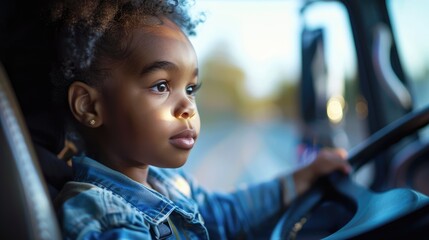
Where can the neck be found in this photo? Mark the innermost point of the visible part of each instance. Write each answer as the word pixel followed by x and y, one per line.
pixel 134 170
pixel 137 174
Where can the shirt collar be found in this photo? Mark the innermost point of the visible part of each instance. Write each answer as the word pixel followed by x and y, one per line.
pixel 154 206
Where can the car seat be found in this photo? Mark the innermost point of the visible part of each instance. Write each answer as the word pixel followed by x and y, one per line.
pixel 26 54
pixel 25 206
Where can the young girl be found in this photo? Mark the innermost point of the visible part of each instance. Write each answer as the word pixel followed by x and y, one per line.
pixel 128 76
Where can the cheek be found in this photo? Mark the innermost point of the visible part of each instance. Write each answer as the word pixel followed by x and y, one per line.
pixel 140 134
pixel 196 122
pixel 152 126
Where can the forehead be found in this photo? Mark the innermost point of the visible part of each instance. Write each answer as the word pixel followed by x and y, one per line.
pixel 160 39
pixel 152 27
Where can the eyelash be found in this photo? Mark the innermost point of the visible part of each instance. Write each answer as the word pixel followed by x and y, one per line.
pixel 155 88
pixel 194 90
pixel 191 92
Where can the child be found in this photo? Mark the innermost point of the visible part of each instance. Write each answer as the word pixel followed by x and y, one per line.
pixel 129 74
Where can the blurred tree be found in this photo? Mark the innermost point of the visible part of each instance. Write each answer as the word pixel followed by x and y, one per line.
pixel 222 96
pixel 287 100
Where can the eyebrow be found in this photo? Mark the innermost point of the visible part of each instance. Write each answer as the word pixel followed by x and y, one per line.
pixel 158 65
pixel 162 65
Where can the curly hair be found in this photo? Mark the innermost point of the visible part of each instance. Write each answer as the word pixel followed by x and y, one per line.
pixel 89 30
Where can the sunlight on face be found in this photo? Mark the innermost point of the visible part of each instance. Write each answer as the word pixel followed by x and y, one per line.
pixel 166 116
pixel 150 115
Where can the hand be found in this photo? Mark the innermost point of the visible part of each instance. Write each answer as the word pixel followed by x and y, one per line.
pixel 326 161
pixel 329 160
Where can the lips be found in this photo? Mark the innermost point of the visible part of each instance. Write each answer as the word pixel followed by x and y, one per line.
pixel 184 140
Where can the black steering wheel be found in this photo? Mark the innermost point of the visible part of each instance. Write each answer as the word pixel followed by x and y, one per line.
pixel 373 211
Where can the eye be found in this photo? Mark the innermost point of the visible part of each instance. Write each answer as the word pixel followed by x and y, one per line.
pixel 192 89
pixel 160 87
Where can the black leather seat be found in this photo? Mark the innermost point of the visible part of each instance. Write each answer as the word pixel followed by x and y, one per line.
pixel 26 54
pixel 25 206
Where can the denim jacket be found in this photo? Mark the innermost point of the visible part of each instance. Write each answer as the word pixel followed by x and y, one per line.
pixel 104 204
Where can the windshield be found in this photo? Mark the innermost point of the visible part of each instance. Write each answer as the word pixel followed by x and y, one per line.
pixel 250 61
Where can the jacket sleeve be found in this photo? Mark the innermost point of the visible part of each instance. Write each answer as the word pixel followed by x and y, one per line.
pixel 250 212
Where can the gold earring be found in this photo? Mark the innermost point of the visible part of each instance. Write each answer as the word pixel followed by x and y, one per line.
pixel 92 122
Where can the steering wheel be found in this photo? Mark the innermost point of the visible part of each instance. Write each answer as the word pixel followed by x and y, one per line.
pixel 371 210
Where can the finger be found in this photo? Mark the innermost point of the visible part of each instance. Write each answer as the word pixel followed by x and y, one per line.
pixel 342 152
pixel 339 156
pixel 347 169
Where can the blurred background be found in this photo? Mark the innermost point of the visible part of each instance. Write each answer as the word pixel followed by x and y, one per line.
pixel 254 117
pixel 250 64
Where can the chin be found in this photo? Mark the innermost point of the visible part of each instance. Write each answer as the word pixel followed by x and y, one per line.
pixel 179 163
pixel 180 159
pixel 173 163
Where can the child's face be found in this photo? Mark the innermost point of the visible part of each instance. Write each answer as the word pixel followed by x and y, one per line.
pixel 149 110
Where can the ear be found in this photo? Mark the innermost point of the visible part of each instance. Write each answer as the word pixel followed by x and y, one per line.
pixel 85 105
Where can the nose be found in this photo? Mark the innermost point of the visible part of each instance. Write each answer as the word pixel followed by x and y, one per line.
pixel 185 109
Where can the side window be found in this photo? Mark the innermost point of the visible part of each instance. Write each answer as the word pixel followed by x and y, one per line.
pixel 339 110
pixel 249 57
pixel 410 28
pixel 252 70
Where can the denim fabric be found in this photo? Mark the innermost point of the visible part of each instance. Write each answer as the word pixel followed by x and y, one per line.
pixel 104 204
